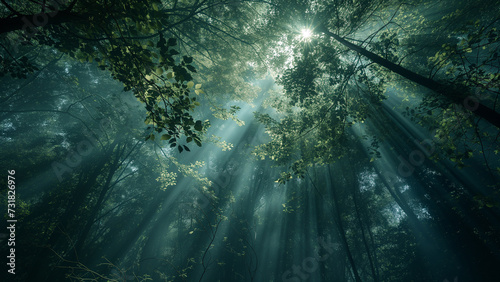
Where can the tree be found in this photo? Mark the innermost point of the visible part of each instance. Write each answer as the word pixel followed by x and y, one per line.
pixel 329 88
pixel 451 93
pixel 376 197
pixel 333 97
pixel 119 37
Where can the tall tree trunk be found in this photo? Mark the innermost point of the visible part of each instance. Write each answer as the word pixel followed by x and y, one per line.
pixel 452 93
pixel 363 236
pixel 342 230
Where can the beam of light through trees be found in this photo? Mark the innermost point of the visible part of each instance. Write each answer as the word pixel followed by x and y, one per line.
pixel 274 140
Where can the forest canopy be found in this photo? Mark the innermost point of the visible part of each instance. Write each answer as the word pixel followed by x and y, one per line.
pixel 209 140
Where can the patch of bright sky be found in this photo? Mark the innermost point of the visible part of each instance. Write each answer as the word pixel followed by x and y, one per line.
pixel 394 214
pixel 7 126
pixel 423 213
pixel 281 49
pixel 404 188
pixel 367 180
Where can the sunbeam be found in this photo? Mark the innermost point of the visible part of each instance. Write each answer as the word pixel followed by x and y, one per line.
pixel 250 140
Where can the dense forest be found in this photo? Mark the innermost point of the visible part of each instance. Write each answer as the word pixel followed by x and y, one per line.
pixel 249 140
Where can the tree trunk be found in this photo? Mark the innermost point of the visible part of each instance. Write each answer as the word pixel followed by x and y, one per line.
pixel 448 91
pixel 363 236
pixel 342 230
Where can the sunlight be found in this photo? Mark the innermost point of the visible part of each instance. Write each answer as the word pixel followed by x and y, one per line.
pixel 316 140
pixel 306 33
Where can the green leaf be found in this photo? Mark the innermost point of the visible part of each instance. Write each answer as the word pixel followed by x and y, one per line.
pixel 197 142
pixel 180 149
pixel 165 137
pixel 198 126
pixel 172 42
